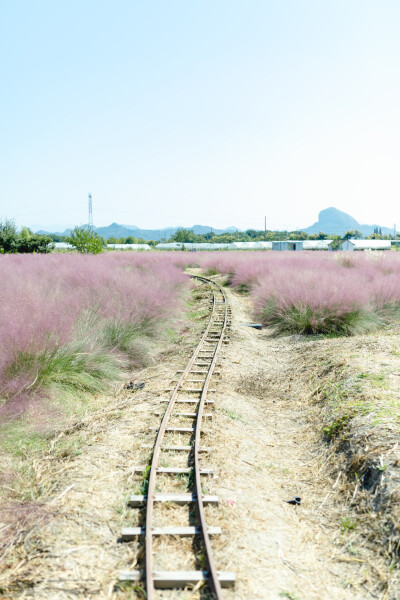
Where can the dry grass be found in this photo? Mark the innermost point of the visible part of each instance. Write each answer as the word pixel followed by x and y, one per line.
pixel 65 501
pixel 257 384
pixel 274 399
pixel 354 401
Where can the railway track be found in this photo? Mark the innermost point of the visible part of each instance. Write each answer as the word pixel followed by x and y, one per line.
pixel 188 402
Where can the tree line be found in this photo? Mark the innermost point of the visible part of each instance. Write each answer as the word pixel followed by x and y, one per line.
pixel 85 240
pixel 252 235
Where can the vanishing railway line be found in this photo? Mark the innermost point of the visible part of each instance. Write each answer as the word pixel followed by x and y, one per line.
pixel 192 389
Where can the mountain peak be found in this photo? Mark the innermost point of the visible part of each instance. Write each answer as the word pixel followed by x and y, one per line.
pixel 338 215
pixel 333 220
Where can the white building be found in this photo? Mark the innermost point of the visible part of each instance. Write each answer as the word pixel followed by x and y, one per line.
pixel 317 244
pixel 65 246
pixel 129 246
pixel 351 245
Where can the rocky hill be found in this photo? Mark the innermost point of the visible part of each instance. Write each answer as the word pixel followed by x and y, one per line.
pixel 334 221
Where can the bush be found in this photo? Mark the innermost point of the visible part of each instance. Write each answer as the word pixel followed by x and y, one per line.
pixel 24 242
pixel 86 241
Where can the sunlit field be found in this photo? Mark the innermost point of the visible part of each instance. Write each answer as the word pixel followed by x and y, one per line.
pixel 71 323
pixel 75 323
pixel 314 292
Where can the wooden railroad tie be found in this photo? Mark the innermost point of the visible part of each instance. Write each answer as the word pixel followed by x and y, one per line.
pixel 177 448
pixel 189 390
pixel 203 364
pixel 195 380
pixel 128 534
pixel 205 372
pixel 180 429
pixel 174 470
pixel 178 579
pixel 139 499
pixel 186 414
pixel 188 401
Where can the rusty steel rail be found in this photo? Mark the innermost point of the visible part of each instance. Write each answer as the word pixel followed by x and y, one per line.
pixel 212 571
pixel 211 575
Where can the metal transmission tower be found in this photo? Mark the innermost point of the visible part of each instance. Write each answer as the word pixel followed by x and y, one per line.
pixel 90 220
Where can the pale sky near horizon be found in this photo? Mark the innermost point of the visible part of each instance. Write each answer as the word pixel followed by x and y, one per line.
pixel 213 112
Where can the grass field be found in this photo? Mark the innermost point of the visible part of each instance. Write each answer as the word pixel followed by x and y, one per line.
pixel 314 292
pixel 74 324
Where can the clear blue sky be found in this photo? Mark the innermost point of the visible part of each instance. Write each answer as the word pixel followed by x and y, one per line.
pixel 175 112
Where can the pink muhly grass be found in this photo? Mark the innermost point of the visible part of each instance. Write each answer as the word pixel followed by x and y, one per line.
pixel 56 309
pixel 314 292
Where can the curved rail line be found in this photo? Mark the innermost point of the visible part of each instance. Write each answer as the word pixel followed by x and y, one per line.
pixel 207 351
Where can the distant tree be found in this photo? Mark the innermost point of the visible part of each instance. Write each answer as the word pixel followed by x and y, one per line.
pixel 377 231
pixel 293 235
pixel 56 237
pixel 252 233
pixel 23 242
pixel 336 241
pixel 374 236
pixel 185 235
pixel 352 234
pixel 28 242
pixel 298 235
pixel 8 236
pixel 85 240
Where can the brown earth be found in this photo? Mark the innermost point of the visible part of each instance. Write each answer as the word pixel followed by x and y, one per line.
pixel 267 449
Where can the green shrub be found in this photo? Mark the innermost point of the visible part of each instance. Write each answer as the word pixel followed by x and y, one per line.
pixel 303 319
pixel 85 240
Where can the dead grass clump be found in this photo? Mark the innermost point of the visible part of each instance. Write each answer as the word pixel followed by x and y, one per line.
pixel 346 261
pixel 359 420
pixel 256 384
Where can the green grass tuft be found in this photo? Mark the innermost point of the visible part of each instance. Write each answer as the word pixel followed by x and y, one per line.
pixel 303 319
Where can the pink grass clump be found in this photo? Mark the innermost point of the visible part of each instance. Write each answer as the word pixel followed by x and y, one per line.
pixel 52 302
pixel 314 292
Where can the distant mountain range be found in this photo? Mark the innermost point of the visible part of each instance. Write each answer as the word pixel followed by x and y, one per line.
pixel 123 231
pixel 334 221
pixel 330 221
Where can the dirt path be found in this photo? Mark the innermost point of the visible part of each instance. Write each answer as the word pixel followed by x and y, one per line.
pixel 269 455
pixel 265 454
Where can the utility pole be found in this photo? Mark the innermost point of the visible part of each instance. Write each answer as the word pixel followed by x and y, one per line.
pixel 90 220
pixel 265 229
pixel 394 230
